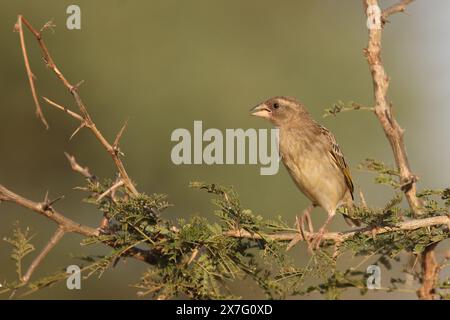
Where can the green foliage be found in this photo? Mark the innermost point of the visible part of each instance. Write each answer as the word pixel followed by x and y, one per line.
pixel 336 284
pixel 198 259
pixel 385 174
pixel 340 106
pixel 20 241
pixel 443 289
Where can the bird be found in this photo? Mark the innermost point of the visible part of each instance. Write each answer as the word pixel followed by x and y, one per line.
pixel 313 159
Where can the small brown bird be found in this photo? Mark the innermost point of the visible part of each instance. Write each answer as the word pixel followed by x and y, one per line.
pixel 313 158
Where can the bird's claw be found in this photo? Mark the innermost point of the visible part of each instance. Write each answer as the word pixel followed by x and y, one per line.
pixel 317 240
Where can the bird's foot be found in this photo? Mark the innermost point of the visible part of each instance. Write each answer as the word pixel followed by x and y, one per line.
pixel 318 237
pixel 300 225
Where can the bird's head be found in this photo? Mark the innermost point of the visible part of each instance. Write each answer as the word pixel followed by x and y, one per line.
pixel 280 110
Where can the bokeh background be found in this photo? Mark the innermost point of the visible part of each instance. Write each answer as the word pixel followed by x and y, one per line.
pixel 163 64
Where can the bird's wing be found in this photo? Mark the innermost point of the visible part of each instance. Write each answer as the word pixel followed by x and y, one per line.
pixel 339 159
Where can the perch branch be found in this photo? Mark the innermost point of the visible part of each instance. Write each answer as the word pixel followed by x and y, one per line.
pixel 84 118
pixel 342 236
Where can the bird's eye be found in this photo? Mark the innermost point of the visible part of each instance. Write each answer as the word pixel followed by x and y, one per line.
pixel 276 105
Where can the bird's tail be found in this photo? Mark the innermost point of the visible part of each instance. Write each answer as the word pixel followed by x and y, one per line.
pixel 352 222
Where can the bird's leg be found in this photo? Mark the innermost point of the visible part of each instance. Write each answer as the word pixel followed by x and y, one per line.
pixel 300 223
pixel 306 216
pixel 319 236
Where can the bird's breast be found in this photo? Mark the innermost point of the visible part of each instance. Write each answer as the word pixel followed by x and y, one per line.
pixel 312 169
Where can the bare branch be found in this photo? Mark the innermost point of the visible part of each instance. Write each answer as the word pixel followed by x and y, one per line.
pixel 116 185
pixel 31 77
pixel 43 209
pixel 60 107
pixel 383 111
pixel 48 247
pixel 398 7
pixel 77 168
pixel 394 133
pixel 73 89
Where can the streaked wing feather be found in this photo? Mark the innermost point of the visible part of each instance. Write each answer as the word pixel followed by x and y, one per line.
pixel 339 159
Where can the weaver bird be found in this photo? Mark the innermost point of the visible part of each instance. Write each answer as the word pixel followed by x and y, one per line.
pixel 312 157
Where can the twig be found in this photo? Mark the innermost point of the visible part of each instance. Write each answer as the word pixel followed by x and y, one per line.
pixel 398 7
pixel 110 190
pixel 77 168
pixel 48 247
pixel 31 76
pixel 84 118
pixel 60 107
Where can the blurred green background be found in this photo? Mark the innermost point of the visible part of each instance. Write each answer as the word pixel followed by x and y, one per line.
pixel 163 64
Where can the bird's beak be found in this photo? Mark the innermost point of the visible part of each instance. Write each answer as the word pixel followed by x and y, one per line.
pixel 261 110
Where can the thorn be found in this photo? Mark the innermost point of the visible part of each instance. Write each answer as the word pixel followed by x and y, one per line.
pixel 81 126
pixel 118 136
pixel 46 62
pixel 193 256
pixel 363 199
pixel 47 203
pixel 75 87
pixel 79 83
pixel 56 200
pixel 48 25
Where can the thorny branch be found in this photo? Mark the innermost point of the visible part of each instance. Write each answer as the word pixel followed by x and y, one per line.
pixel 65 224
pixel 47 211
pixel 45 207
pixel 392 129
pixel 85 119
pixel 383 110
pixel 339 237
pixel 31 76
